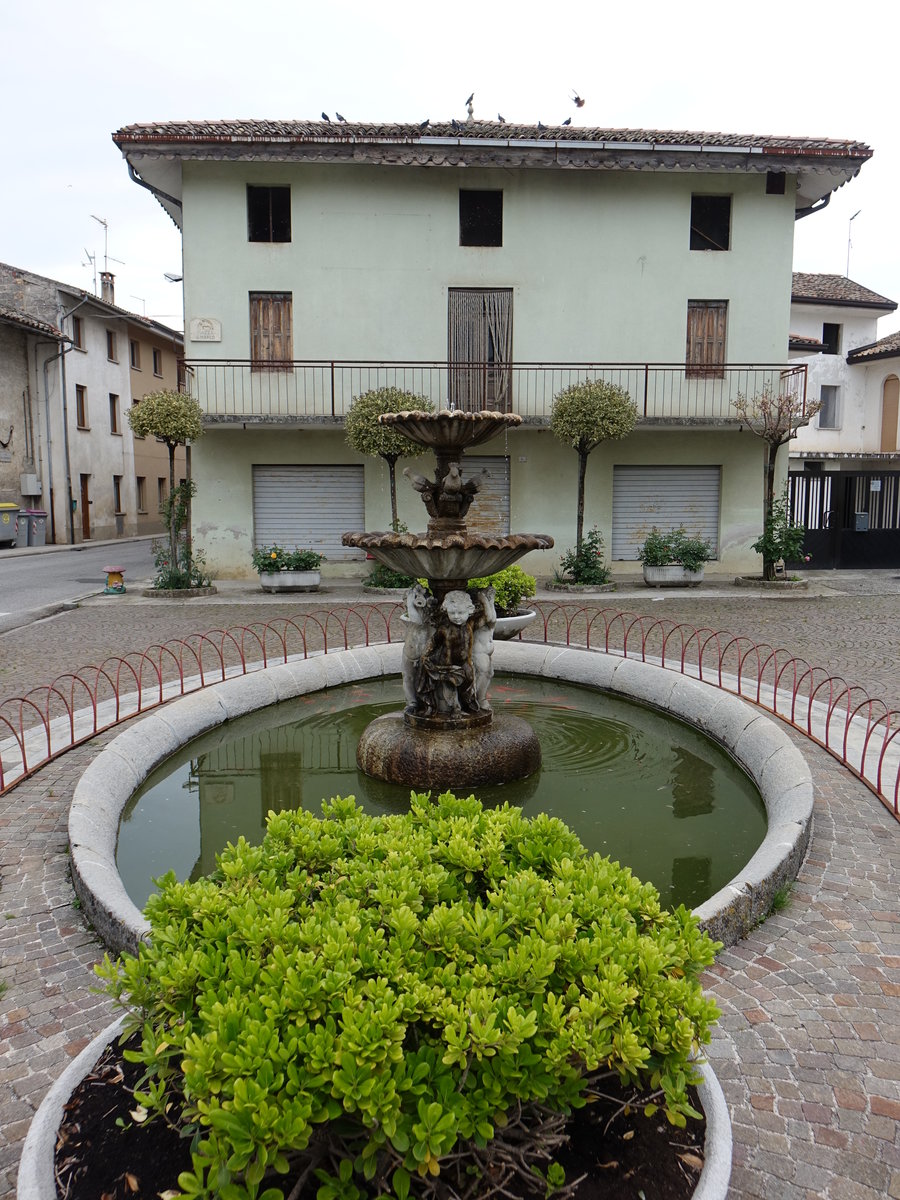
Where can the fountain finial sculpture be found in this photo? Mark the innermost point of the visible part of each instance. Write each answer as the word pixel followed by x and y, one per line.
pixel 448 735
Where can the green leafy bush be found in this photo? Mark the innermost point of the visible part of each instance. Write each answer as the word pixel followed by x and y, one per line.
pixel 674 548
pixel 586 565
pixel 781 539
pixel 385 577
pixel 396 1002
pixel 511 586
pixel 268 559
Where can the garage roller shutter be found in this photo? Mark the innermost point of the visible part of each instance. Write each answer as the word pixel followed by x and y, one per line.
pixel 665 497
pixel 490 508
pixel 308 507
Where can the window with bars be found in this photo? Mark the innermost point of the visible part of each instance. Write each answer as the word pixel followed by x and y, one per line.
pixel 707 322
pixel 268 214
pixel 480 217
pixel 271 331
pixel 710 222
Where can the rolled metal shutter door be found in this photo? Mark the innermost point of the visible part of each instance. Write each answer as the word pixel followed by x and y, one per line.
pixel 665 497
pixel 308 507
pixel 490 508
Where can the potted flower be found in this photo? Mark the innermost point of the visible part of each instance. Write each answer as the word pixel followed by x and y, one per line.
pixel 511 586
pixel 283 570
pixel 673 559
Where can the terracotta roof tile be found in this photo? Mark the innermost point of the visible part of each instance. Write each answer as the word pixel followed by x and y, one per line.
pixel 886 347
pixel 250 131
pixel 835 289
pixel 12 317
pixel 799 341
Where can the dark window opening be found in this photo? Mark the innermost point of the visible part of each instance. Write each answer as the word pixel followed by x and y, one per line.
pixel 269 214
pixel 480 218
pixel 775 183
pixel 831 338
pixel 710 222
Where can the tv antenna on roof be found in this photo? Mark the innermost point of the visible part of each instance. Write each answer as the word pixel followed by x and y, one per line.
pixel 92 263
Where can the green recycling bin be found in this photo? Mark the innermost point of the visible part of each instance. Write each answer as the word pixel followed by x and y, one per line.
pixel 9 523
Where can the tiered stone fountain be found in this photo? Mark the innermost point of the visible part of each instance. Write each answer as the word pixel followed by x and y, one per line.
pixel 448 735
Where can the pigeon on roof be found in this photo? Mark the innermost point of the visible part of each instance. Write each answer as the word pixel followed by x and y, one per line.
pixel 343 120
pixel 567 121
pixel 425 124
pixel 325 117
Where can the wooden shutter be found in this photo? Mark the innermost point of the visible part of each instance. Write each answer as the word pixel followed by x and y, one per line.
pixel 271 330
pixel 665 497
pixel 706 329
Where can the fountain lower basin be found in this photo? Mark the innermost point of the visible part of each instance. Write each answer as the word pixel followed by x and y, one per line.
pixel 754 741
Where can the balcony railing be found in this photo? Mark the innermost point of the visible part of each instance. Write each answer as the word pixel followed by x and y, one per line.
pixel 324 390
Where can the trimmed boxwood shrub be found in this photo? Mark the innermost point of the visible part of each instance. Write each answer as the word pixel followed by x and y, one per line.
pixel 386 1000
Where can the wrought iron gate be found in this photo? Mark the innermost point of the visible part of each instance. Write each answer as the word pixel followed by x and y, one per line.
pixel 852 519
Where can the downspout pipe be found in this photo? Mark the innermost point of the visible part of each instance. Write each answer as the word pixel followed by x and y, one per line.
pixel 64 316
pixel 160 195
pixel 813 208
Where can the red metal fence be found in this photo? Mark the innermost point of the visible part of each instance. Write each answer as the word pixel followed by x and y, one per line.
pixel 857 729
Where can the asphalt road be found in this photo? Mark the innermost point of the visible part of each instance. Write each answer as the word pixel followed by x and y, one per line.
pixel 33 581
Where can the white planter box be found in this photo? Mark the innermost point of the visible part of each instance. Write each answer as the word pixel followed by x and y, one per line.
pixel 290 581
pixel 673 575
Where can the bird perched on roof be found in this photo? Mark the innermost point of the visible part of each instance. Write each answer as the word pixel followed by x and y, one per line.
pixel 343 120
pixel 425 124
pixel 501 118
pixel 541 126
pixel 471 98
pixel 577 100
pixel 455 125
pixel 325 117
pixel 567 121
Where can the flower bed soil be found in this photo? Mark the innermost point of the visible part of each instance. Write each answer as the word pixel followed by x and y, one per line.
pixel 98 1158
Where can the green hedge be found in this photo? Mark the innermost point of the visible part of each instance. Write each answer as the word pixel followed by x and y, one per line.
pixel 394 995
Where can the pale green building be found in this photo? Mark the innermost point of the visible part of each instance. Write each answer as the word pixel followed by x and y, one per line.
pixel 483 266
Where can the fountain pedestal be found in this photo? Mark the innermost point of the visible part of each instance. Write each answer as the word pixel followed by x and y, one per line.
pixel 448 735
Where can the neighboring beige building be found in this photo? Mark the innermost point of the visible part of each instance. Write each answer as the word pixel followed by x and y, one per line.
pixel 70 365
pixel 845 465
pixel 484 266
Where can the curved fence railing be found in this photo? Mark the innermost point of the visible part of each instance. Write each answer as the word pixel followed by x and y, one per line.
pixel 859 730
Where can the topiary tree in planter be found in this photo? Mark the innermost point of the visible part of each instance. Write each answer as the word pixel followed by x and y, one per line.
pixel 173 418
pixel 775 419
pixel 367 436
pixel 583 416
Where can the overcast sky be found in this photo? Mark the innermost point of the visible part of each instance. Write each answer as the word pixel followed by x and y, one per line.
pixel 75 70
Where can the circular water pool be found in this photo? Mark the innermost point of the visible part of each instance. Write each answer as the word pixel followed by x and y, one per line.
pixel 635 784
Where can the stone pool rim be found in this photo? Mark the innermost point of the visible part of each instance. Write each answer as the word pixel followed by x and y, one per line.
pixel 755 741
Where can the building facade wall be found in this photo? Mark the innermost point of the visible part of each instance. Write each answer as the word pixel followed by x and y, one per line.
pixel 223 507
pixel 599 262
pixel 17 416
pixel 151 458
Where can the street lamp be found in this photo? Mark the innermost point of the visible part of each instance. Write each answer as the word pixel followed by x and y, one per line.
pixel 849 223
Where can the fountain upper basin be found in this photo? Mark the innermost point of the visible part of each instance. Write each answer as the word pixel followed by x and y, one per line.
pixel 451 556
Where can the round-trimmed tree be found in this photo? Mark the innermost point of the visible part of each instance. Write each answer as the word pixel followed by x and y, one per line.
pixel 173 418
pixel 366 435
pixel 584 415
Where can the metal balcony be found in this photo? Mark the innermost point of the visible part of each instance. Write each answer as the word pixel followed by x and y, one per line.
pixel 321 391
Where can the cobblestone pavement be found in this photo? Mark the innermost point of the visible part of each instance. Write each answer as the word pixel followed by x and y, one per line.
pixel 808 1048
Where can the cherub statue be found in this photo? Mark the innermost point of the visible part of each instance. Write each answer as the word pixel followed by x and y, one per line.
pixel 483 644
pixel 419 630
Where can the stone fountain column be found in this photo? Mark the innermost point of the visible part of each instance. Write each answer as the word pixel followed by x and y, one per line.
pixel 448 735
